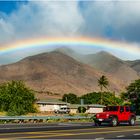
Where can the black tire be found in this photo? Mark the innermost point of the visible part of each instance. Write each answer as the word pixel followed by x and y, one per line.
pixel 118 123
pixel 132 121
pixel 114 121
pixel 97 123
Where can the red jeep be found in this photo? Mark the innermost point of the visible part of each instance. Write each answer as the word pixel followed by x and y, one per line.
pixel 115 115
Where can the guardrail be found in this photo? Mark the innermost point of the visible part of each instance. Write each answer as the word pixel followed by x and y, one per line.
pixel 22 118
pixel 41 117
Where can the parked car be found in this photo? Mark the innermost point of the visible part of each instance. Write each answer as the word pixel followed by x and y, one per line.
pixel 115 115
pixel 62 109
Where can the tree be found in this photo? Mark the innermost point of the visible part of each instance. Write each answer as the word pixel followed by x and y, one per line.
pixel 102 83
pixel 70 98
pixel 16 98
pixel 107 97
pixel 81 109
pixel 91 98
pixel 132 94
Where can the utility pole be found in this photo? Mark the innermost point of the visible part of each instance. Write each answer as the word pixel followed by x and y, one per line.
pixel 82 103
pixel 66 99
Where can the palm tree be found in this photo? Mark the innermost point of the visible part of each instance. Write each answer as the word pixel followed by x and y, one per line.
pixel 102 83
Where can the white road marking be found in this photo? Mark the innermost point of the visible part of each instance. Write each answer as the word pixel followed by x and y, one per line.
pixel 120 136
pixel 136 134
pixel 99 138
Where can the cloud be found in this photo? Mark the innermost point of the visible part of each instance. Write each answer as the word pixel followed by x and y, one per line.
pixel 118 20
pixel 114 19
pixel 6 31
pixel 111 19
pixel 42 19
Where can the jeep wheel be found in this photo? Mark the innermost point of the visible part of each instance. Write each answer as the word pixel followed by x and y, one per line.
pixel 114 121
pixel 132 121
pixel 97 123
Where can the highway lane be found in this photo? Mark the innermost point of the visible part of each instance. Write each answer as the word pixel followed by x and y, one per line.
pixel 75 131
pixel 10 128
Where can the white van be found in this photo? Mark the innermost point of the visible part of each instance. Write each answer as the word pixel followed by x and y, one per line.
pixel 62 109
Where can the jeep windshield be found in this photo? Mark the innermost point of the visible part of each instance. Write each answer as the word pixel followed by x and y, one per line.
pixel 111 108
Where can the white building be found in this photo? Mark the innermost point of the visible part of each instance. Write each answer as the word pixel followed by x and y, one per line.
pixel 94 108
pixel 48 106
pixel 90 109
pixel 51 106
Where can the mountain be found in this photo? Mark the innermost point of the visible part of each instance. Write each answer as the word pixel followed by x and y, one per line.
pixel 108 63
pixel 70 52
pixel 135 65
pixel 58 73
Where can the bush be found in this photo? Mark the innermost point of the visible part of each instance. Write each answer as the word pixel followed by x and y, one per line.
pixel 16 98
pixel 81 109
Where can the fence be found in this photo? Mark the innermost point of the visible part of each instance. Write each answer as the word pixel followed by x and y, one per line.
pixel 23 118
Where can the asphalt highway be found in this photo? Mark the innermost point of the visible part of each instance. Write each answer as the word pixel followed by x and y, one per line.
pixel 68 131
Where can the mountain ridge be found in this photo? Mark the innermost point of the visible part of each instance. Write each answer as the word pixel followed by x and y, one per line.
pixel 108 63
pixel 135 65
pixel 58 73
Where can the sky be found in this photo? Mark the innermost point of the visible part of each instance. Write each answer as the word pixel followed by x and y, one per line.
pixel 117 20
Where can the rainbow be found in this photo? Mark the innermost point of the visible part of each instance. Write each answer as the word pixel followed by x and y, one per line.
pixel 44 42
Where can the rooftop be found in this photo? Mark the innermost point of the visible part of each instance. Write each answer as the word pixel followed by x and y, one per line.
pixel 52 101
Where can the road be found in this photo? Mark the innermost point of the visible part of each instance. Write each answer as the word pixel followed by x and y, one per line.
pixel 68 131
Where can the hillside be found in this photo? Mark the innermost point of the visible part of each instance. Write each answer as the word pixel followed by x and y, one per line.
pixel 135 65
pixel 108 63
pixel 70 52
pixel 56 72
pixel 112 65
